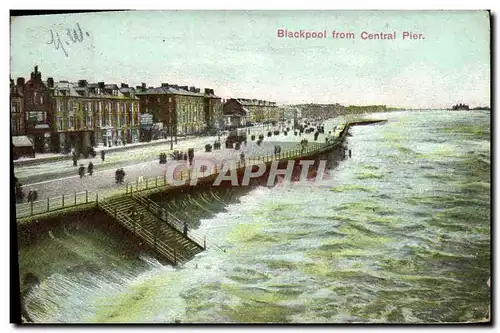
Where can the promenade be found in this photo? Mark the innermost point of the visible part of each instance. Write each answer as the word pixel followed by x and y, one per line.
pixel 75 190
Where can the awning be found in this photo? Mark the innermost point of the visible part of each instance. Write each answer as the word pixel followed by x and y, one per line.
pixel 21 141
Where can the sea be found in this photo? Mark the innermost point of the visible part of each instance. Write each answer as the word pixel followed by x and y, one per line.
pixel 400 232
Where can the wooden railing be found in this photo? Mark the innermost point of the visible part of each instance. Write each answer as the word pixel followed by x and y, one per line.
pixel 170 219
pixel 31 208
pixel 149 237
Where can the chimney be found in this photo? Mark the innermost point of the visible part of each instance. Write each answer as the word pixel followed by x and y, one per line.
pixel 143 85
pixel 20 82
pixel 184 88
pixel 192 89
pixel 138 87
pixel 36 69
pixel 207 91
pixel 82 83
pixel 197 90
pixel 164 85
pixel 124 85
pixel 50 82
pixel 100 85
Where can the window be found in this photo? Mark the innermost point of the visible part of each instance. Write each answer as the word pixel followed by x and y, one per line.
pixel 70 122
pixel 59 124
pixel 89 121
pixel 100 107
pixel 99 119
pixel 89 106
pixel 59 106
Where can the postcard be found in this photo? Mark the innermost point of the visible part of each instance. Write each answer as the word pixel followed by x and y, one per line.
pixel 213 167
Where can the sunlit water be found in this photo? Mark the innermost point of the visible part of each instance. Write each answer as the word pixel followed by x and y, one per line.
pixel 398 233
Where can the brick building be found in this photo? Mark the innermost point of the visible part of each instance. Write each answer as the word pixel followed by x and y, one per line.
pixel 181 109
pixel 38 115
pixel 92 114
pixel 17 116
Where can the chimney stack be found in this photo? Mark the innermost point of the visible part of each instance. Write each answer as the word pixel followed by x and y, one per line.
pixel 100 85
pixel 192 89
pixel 82 83
pixel 143 85
pixel 184 88
pixel 20 82
pixel 124 85
pixel 50 82
pixel 197 90
pixel 207 91
pixel 164 85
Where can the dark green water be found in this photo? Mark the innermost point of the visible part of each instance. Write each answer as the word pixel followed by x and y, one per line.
pixel 399 233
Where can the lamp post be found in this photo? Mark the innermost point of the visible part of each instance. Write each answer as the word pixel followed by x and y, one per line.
pixel 170 124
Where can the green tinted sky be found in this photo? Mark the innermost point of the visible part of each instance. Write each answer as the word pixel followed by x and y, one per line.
pixel 239 55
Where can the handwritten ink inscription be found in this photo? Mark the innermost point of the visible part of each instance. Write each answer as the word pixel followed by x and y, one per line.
pixel 73 36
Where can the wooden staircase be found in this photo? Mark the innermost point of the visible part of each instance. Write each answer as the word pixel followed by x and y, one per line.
pixel 161 236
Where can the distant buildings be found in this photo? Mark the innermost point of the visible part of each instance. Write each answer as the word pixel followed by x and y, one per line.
pixel 460 107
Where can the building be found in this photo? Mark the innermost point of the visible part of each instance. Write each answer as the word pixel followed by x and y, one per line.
pixel 38 114
pixel 17 116
pixel 213 110
pixel 240 111
pixel 93 114
pixel 181 110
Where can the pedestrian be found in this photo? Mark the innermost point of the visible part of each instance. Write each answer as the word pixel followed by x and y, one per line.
pixel 349 153
pixel 81 171
pixel 122 175
pixel 117 176
pixel 30 196
pixel 35 195
pixel 185 229
pixel 103 155
pixel 90 168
